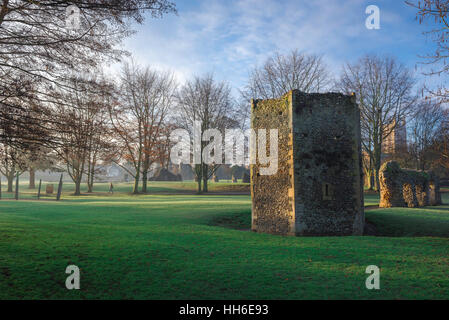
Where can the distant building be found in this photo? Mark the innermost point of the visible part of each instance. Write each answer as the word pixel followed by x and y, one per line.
pixel 392 147
pixel 396 142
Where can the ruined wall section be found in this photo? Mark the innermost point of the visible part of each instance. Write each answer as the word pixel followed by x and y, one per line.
pixel 272 208
pixel 393 187
pixel 328 175
pixel 318 189
pixel 407 188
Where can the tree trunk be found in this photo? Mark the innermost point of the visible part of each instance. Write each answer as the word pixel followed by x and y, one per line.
pixel 199 186
pixel 369 179
pixel 423 165
pixel 377 161
pixel 376 180
pixel 205 185
pixel 205 177
pixel 90 179
pixel 89 187
pixel 144 180
pixel 10 178
pixel 78 187
pixel 17 187
pixel 32 184
pixel 136 183
pixel 199 175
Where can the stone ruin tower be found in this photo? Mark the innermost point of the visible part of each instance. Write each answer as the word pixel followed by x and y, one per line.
pixel 318 188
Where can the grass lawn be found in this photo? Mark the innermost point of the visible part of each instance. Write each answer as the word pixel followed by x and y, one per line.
pixel 164 246
pixel 124 189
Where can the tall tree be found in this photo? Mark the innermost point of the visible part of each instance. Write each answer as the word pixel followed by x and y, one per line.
pixel 140 117
pixel 209 103
pixel 282 73
pixel 80 115
pixel 383 88
pixel 100 136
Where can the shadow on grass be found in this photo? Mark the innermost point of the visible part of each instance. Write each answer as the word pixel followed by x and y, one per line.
pixel 239 221
pixel 379 223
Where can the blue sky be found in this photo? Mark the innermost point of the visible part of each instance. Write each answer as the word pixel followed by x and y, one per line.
pixel 230 37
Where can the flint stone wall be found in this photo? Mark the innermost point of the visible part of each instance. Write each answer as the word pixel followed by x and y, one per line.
pixel 318 188
pixel 407 188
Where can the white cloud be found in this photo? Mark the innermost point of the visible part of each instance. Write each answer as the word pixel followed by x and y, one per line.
pixel 230 37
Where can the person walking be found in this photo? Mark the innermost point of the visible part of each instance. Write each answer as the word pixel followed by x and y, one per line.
pixel 111 188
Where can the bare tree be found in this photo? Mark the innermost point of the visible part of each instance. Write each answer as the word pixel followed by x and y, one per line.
pixel 282 73
pixel 17 138
pixel 99 135
pixel 436 11
pixel 383 89
pixel 80 118
pixel 441 143
pixel 425 125
pixel 35 39
pixel 139 118
pixel 12 163
pixel 210 103
pixel 38 48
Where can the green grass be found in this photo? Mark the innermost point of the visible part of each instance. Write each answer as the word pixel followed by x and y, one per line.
pixel 124 189
pixel 371 199
pixel 196 247
pixel 400 222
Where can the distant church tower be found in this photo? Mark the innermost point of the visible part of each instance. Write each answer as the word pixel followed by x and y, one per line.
pixel 396 142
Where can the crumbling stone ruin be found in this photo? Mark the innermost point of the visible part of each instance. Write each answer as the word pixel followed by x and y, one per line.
pixel 318 188
pixel 407 188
